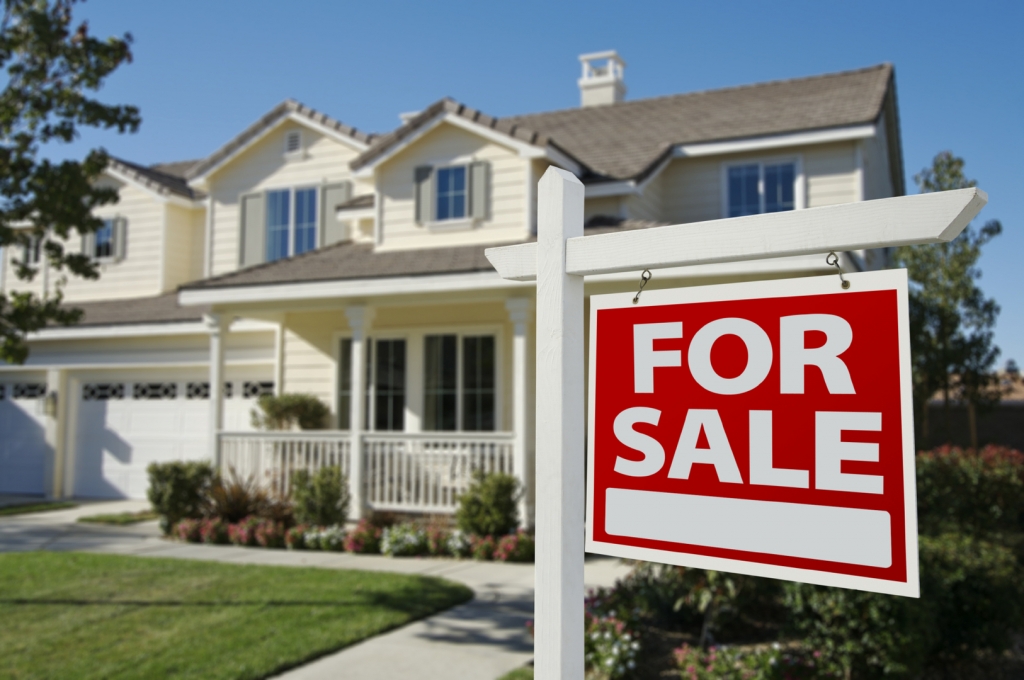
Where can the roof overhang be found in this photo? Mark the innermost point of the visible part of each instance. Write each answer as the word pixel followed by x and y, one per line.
pixel 122 174
pixel 141 330
pixel 523 149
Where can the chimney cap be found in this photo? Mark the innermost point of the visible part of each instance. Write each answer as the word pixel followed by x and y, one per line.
pixel 607 54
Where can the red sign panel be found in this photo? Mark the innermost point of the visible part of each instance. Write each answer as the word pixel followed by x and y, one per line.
pixel 761 428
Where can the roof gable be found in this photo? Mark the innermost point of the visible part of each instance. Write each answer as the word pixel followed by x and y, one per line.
pixel 283 112
pixel 161 179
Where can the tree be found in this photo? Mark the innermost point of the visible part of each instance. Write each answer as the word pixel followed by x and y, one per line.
pixel 951 320
pixel 52 66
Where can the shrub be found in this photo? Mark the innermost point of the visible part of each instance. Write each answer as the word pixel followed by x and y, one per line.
pixel 188 530
pixel 331 538
pixel 981 494
pixel 214 530
pixel 235 499
pixel 517 547
pixel 458 544
pixel 177 490
pixel 404 540
pixel 489 505
pixel 295 538
pixel 270 534
pixel 482 547
pixel 438 536
pixel 322 498
pixel 244 532
pixel 283 411
pixel 751 663
pixel 365 538
pixel 610 649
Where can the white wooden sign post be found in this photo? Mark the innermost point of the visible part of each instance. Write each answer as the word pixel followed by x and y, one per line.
pixel 560 259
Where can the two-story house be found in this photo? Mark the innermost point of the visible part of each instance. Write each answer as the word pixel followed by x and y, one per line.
pixel 306 256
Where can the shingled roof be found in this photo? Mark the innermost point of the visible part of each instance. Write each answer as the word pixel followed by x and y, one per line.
pixel 157 309
pixel 163 178
pixel 347 260
pixel 625 140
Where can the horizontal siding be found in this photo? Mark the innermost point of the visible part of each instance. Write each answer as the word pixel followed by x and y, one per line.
pixel 448 145
pixel 877 177
pixel 264 167
pixel 138 275
pixel 180 246
pixel 692 190
pixel 648 204
pixel 831 175
pixel 308 355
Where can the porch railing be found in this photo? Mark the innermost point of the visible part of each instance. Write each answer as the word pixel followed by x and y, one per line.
pixel 404 472
pixel 271 458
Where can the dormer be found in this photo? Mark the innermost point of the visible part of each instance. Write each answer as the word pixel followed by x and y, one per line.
pixel 603 80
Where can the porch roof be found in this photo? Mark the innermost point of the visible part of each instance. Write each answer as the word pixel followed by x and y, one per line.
pixel 156 309
pixel 347 260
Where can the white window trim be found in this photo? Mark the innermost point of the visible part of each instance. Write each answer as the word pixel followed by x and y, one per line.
pixel 799 181
pixel 416 382
pixel 292 190
pixel 112 258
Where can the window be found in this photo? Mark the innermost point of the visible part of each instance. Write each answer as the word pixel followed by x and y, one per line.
pixel 291 224
pixel 459 383
pixel 388 406
pixel 757 188
pixel 451 193
pixel 30 254
pixel 103 246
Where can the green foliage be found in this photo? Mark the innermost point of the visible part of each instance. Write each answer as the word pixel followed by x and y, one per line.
pixel 770 662
pixel 980 494
pixel 177 490
pixel 28 508
pixel 282 412
pixel 234 499
pixel 951 320
pixel 489 507
pixel 404 540
pixel 320 499
pixel 51 67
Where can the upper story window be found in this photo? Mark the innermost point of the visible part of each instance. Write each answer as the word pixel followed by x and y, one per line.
pixel 109 242
pixel 755 188
pixel 290 222
pixel 452 194
pixel 32 252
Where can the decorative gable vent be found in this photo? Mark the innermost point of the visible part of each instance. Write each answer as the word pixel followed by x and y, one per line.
pixel 293 142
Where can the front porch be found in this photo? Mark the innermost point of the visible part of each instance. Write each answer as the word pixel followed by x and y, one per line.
pixel 395 471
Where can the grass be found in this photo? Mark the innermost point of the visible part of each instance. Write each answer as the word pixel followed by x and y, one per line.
pixel 524 673
pixel 43 506
pixel 120 518
pixel 78 616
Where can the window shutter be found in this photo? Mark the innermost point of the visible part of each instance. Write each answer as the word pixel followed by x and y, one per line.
pixel 89 245
pixel 478 189
pixel 333 230
pixel 254 230
pixel 424 178
pixel 120 238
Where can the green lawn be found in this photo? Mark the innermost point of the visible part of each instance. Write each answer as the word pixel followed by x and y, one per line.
pixel 120 518
pixel 41 506
pixel 525 673
pixel 75 616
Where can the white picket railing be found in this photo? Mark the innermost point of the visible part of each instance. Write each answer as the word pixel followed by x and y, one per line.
pixel 427 472
pixel 272 457
pixel 404 472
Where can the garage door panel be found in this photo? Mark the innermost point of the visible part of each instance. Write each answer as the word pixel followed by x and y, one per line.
pixel 119 437
pixel 23 448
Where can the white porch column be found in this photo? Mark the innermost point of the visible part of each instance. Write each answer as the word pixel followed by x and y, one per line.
pixel 518 314
pixel 359 319
pixel 560 434
pixel 216 325
pixel 56 408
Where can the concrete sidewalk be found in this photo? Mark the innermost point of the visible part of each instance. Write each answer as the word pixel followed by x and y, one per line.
pixel 483 638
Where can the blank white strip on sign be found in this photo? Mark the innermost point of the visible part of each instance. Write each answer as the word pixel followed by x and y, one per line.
pixel 817 532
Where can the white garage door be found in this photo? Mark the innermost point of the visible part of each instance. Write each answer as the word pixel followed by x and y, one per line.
pixel 125 426
pixel 23 448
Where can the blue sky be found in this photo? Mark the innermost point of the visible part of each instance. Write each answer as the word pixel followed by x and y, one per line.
pixel 205 70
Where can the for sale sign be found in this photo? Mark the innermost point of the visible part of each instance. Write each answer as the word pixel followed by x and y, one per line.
pixel 762 428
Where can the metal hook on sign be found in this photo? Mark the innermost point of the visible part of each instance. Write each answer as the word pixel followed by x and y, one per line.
pixel 644 278
pixel 833 261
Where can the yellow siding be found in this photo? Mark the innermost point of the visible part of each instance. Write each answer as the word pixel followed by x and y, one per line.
pixel 138 275
pixel 180 248
pixel 647 205
pixel 831 174
pixel 448 145
pixel 692 190
pixel 263 167
pixel 877 178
